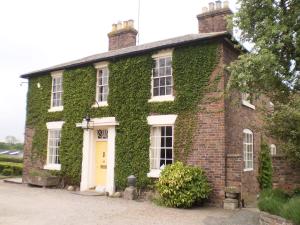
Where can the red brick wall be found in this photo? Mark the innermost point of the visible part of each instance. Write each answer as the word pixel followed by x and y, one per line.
pixel 30 161
pixel 286 175
pixel 209 138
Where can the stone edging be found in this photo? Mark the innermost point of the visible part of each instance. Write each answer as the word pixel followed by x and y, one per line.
pixel 268 219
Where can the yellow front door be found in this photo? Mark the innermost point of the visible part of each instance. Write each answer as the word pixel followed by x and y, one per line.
pixel 101 162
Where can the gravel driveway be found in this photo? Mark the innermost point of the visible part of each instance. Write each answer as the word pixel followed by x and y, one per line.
pixel 24 205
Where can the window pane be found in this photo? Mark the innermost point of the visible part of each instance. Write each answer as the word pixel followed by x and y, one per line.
pixel 162 81
pixel 156 92
pixel 169 80
pixel 163 131
pixel 156 82
pixel 169 142
pixel 169 131
pixel 162 62
pixel 162 91
pixel 155 72
pixel 168 61
pixel 168 70
pixel 162 71
pixel 169 154
pixel 168 90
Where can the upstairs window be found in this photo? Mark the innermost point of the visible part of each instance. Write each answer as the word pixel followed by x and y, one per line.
pixel 273 149
pixel 162 77
pixel 102 84
pixel 102 87
pixel 247 100
pixel 57 92
pixel 248 149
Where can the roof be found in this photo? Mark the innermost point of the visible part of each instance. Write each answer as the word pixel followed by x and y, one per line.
pixel 133 50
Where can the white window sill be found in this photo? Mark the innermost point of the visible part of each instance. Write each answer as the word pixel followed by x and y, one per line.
pixel 166 98
pixel 247 170
pixel 248 104
pixel 56 109
pixel 52 167
pixel 154 173
pixel 100 104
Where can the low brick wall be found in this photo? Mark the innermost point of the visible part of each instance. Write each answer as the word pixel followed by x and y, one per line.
pixel 268 219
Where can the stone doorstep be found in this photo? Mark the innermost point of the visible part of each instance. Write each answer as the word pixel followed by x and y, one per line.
pixel 269 219
pixel 88 193
pixel 16 180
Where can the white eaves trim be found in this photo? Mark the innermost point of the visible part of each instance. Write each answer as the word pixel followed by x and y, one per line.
pixel 161 120
pixel 55 125
pixel 248 104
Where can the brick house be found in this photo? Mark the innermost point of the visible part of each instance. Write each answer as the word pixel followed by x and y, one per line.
pixel 225 141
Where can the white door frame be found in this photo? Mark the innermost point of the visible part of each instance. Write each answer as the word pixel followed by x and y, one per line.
pixel 88 170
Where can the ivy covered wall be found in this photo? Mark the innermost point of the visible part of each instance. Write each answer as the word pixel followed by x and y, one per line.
pixel 130 90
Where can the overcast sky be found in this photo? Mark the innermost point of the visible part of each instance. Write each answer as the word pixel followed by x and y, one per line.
pixel 35 34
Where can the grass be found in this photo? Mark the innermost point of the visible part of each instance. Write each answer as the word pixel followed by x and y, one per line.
pixel 279 203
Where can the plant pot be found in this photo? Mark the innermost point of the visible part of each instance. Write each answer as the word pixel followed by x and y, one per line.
pixel 43 181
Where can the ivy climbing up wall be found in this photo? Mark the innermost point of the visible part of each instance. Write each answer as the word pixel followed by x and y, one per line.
pixel 130 90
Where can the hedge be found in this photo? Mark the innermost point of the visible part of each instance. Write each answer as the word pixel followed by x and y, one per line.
pixel 4 158
pixel 11 168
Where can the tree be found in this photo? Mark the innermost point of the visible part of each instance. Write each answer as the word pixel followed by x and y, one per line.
pixel 272 67
pixel 265 170
pixel 11 140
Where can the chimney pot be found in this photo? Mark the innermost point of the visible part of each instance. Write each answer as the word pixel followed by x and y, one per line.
pixel 225 4
pixel 119 26
pixel 204 9
pixel 211 6
pixel 125 24
pixel 130 23
pixel 114 27
pixel 218 4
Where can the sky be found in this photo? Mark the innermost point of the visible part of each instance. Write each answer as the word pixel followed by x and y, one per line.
pixel 36 34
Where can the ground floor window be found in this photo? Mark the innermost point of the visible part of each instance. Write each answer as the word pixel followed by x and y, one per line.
pixel 248 149
pixel 161 146
pixel 53 147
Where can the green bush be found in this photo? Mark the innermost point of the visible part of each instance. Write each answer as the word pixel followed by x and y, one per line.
pixel 291 210
pixel 16 168
pixel 265 170
pixel 4 158
pixel 182 186
pixel 7 172
pixel 279 203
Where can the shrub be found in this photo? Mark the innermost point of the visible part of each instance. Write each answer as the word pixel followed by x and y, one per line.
pixel 7 172
pixel 182 186
pixel 265 170
pixel 16 168
pixel 4 158
pixel 291 210
pixel 272 200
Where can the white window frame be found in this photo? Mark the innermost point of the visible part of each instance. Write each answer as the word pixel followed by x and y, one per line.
pixel 162 54
pixel 57 125
pixel 248 155
pixel 100 66
pixel 273 149
pixel 160 121
pixel 55 75
pixel 246 101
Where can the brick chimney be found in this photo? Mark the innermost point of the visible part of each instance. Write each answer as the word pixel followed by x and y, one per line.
pixel 213 18
pixel 122 35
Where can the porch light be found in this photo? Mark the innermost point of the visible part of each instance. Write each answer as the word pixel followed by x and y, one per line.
pixel 87 120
